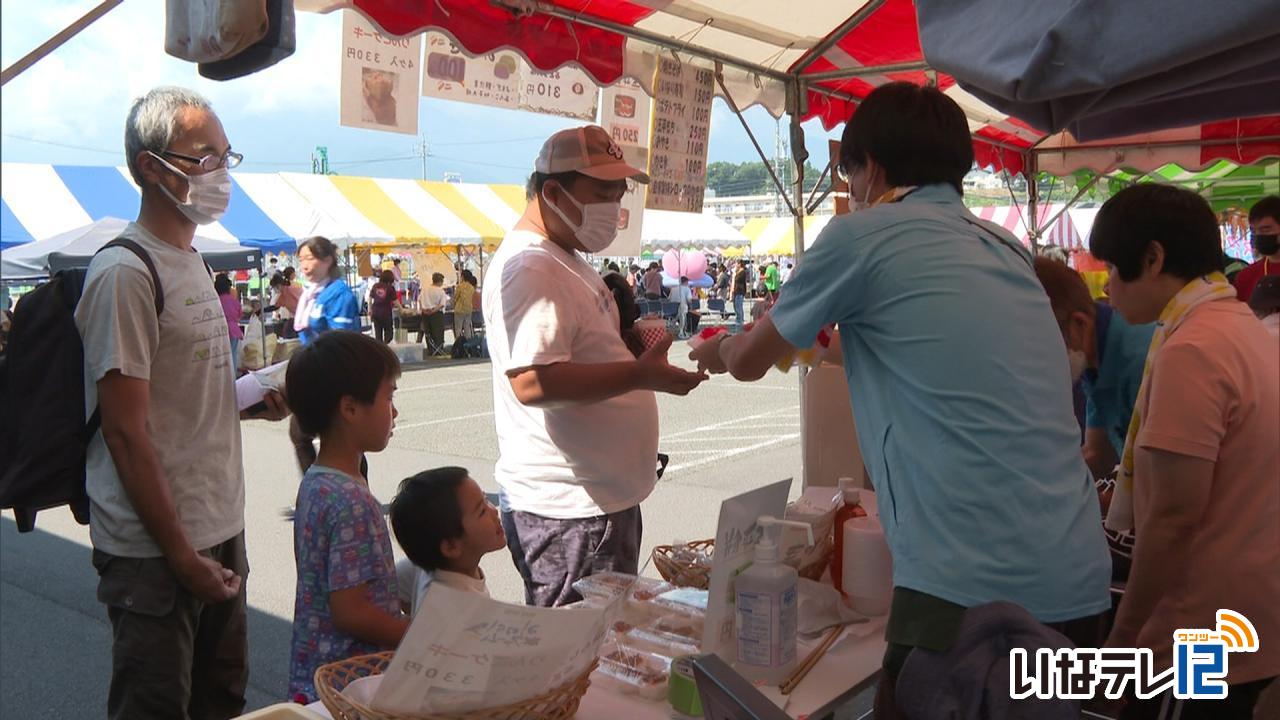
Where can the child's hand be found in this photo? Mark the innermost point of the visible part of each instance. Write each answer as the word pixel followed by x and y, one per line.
pixel 207 579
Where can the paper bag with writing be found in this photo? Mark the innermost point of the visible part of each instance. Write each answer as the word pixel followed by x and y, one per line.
pixel 464 653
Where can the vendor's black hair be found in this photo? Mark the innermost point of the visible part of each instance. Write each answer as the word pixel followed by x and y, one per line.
pixel 1180 220
pixel 425 512
pixel 1268 206
pixel 916 133
pixel 336 364
pixel 222 284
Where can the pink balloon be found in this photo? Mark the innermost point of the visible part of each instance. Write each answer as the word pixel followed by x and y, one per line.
pixel 695 264
pixel 689 263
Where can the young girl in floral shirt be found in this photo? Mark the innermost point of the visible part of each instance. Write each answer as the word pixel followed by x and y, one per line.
pixel 340 388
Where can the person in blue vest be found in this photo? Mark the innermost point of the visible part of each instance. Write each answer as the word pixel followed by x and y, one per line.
pixel 1106 356
pixel 328 302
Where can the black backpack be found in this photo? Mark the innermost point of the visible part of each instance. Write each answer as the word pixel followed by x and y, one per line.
pixel 44 438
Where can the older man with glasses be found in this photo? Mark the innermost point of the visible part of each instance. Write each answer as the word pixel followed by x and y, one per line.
pixel 164 474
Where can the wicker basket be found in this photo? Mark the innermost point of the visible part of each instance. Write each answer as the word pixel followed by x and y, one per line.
pixel 680 573
pixel 558 704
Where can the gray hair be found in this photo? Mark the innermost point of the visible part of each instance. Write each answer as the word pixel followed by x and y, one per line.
pixel 153 119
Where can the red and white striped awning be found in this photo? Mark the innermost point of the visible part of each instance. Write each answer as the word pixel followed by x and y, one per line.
pixel 840 51
pixel 1014 218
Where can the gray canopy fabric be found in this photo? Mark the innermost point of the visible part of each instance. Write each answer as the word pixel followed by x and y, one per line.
pixel 74 249
pixel 1102 68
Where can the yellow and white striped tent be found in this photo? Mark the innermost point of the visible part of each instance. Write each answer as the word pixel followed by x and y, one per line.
pixel 777 236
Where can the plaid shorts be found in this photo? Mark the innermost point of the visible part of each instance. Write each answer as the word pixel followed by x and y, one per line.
pixel 551 554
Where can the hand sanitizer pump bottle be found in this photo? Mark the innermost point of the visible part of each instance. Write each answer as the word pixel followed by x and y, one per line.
pixel 765 609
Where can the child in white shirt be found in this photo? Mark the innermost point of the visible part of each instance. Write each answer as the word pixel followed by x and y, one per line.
pixel 445 524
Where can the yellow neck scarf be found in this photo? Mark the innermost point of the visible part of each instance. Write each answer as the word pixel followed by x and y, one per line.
pixel 1208 288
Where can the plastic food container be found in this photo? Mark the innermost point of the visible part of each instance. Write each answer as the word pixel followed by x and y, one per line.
pixel 608 586
pixel 634 672
pixel 670 636
pixel 686 602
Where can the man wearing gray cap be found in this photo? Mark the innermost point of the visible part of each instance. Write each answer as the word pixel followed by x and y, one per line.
pixel 575 411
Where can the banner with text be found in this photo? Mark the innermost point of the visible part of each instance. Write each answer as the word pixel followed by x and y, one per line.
pixel 379 80
pixel 682 95
pixel 624 114
pixel 503 79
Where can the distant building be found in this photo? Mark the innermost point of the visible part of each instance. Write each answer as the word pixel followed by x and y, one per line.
pixel 738 209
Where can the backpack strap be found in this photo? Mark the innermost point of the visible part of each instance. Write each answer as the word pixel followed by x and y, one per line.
pixel 95 420
pixel 145 257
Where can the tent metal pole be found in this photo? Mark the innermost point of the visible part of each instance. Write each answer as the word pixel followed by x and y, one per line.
pixel 865 70
pixel 1041 149
pixel 782 190
pixel 796 98
pixel 1033 200
pixel 816 52
pixel 543 8
pixel 1076 198
pixel 55 42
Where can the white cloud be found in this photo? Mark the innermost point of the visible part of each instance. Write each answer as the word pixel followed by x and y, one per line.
pixel 82 91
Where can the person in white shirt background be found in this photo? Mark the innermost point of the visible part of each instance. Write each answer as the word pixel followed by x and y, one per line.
pixel 576 416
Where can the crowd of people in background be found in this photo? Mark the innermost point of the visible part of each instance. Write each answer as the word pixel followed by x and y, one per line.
pixel 950 333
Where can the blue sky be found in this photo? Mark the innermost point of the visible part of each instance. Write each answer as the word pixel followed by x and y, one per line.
pixel 70 107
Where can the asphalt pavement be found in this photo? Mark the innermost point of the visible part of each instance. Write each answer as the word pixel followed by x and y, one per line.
pixel 723 439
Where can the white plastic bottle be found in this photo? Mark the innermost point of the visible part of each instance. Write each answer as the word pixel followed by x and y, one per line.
pixel 765 611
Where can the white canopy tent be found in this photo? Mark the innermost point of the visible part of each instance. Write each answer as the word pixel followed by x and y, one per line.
pixel 664 229
pixel 74 248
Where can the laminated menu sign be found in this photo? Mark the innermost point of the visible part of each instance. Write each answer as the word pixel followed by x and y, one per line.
pixel 379 78
pixel 682 95
pixel 503 79
pixel 737 533
pixel 465 652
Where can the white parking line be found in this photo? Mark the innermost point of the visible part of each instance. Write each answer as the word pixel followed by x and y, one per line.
pixel 439 421
pixel 433 386
pixel 729 453
pixel 734 421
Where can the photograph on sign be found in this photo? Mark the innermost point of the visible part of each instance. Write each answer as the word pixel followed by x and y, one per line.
pixel 503 79
pixel 381 90
pixel 379 78
pixel 679 131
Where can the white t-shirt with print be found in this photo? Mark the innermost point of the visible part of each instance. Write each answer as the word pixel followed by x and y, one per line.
pixel 545 305
pixel 192 421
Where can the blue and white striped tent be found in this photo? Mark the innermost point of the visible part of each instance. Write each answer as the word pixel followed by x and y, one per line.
pixel 41 201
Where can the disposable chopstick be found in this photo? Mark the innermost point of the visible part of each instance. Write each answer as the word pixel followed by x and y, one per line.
pixel 790 683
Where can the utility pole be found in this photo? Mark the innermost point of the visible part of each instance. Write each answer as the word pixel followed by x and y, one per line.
pixel 420 150
pixel 781 165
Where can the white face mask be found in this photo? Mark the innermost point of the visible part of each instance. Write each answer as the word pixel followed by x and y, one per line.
pixel 599 224
pixel 207 194
pixel 1078 362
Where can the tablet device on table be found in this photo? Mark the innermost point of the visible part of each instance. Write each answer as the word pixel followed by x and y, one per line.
pixel 726 695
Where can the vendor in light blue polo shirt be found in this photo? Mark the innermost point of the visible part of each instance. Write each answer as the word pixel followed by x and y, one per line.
pixel 956 371
pixel 1106 356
